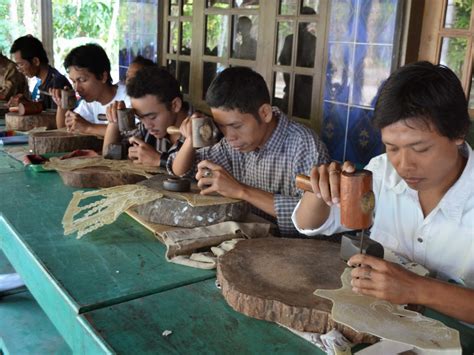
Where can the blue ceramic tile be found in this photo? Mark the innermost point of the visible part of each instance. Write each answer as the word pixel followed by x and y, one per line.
pixel 363 140
pixel 334 129
pixel 338 72
pixel 371 68
pixel 342 22
pixel 376 22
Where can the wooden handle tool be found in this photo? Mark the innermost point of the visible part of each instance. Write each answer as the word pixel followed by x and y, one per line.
pixel 173 130
pixel 303 182
pixel 357 199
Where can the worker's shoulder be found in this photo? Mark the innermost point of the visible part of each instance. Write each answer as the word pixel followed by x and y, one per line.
pixel 304 138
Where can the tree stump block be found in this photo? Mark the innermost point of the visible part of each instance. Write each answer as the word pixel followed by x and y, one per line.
pixel 274 279
pixel 173 211
pixel 61 141
pixel 18 122
pixel 98 176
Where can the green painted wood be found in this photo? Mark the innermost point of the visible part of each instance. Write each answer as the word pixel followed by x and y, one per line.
pixel 9 165
pixel 67 276
pixel 201 322
pixel 466 333
pixel 25 328
pixel 5 266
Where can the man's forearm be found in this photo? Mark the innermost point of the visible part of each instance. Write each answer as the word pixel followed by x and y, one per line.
pixel 112 135
pixel 184 159
pixel 60 118
pixel 312 212
pixel 451 300
pixel 263 200
pixel 96 129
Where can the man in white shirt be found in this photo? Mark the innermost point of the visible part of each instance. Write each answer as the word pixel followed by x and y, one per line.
pixel 89 70
pixel 424 194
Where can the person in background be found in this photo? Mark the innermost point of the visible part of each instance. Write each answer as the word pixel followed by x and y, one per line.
pixel 305 53
pixel 138 63
pixel 424 194
pixel 158 103
pixel 12 82
pixel 31 60
pixel 246 45
pixel 261 153
pixel 89 70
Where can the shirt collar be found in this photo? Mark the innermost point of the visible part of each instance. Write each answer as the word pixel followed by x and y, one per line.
pixel 278 136
pixel 49 78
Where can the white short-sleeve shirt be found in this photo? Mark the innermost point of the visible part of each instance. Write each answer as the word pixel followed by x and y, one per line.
pixel 443 242
pixel 90 110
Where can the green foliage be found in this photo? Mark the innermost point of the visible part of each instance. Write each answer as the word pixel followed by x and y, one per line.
pixel 457 47
pixel 92 19
pixel 10 28
pixel 463 13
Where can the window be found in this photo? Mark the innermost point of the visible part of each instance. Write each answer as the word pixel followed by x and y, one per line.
pixel 285 45
pixel 452 23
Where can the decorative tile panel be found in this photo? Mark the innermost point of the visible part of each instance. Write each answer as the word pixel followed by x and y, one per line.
pixel 360 58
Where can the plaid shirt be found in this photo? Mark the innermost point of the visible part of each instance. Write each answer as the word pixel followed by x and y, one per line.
pixel 292 149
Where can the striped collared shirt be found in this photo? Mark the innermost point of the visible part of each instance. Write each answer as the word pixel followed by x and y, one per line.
pixel 291 149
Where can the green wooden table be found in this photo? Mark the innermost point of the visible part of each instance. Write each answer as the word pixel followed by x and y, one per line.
pixel 117 263
pixel 205 325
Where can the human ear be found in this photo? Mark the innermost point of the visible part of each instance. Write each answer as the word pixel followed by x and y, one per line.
pixel 176 105
pixel 105 77
pixel 35 61
pixel 265 112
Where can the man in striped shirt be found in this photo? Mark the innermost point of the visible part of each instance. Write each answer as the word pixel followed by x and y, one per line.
pixel 261 153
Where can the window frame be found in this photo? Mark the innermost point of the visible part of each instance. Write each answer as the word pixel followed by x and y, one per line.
pixel 432 34
pixel 264 63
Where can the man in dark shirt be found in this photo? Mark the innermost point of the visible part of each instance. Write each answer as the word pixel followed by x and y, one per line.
pixel 32 61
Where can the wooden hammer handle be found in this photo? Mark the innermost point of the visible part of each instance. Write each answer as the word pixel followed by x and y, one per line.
pixel 173 130
pixel 303 182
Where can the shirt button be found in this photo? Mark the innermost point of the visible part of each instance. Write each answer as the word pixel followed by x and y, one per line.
pixel 420 240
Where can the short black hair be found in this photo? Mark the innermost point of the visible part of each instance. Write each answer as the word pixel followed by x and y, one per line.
pixel 156 81
pixel 144 62
pixel 238 88
pixel 422 90
pixel 29 48
pixel 92 57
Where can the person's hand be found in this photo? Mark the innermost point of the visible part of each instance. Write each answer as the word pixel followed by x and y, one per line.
pixel 186 130
pixel 143 153
pixel 56 95
pixel 214 178
pixel 76 123
pixel 382 279
pixel 186 126
pixel 111 112
pixel 16 100
pixel 326 181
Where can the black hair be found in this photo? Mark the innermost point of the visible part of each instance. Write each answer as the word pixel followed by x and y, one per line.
pixel 238 88
pixel 144 62
pixel 153 80
pixel 422 90
pixel 29 48
pixel 92 57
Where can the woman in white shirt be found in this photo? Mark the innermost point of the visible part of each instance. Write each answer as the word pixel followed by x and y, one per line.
pixel 424 194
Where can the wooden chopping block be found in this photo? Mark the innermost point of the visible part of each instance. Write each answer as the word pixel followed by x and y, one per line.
pixel 98 176
pixel 62 141
pixel 178 212
pixel 274 279
pixel 17 122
